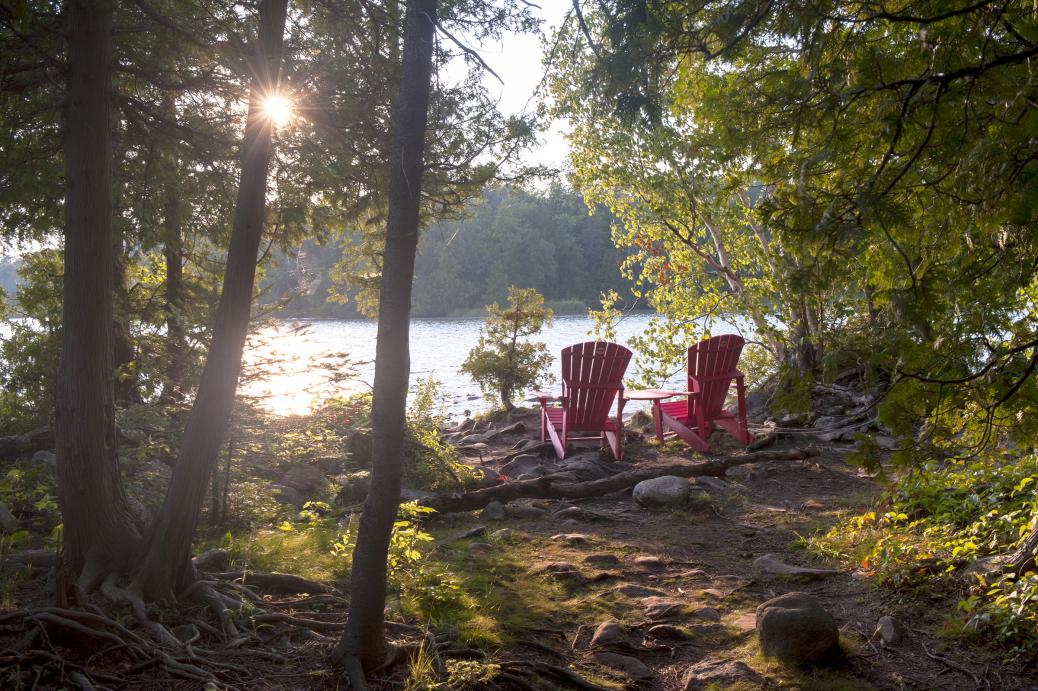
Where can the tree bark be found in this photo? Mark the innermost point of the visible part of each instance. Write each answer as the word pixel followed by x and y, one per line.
pixel 100 534
pixel 363 641
pixel 548 487
pixel 166 568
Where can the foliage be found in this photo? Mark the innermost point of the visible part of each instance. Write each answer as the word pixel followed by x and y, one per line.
pixel 508 236
pixel 430 462
pixel 943 516
pixel 29 351
pixel 501 363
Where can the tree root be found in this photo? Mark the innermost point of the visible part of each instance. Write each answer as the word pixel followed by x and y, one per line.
pixel 552 487
pixel 278 583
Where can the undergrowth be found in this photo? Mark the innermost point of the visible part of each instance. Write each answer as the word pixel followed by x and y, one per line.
pixel 944 516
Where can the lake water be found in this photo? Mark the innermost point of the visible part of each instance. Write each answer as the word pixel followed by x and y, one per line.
pixel 305 352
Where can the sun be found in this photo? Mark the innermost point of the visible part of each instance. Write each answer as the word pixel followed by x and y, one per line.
pixel 278 109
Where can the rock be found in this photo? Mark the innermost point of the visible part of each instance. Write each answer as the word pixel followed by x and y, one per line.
pixel 524 464
pixel 709 482
pixel 796 629
pixel 770 565
pixel 8 523
pixel 527 476
pixel 358 446
pixel 668 632
pixel 480 548
pixel 471 439
pixel 306 479
pixel 465 425
pixel 706 614
pixel 989 568
pixel 494 511
pixel 215 560
pixel 329 465
pixel 635 590
pixel 514 428
pixel 570 538
pixel 503 534
pixel 745 622
pixel 524 511
pixel 889 630
pixel 586 466
pixel 610 634
pixel 666 491
pixel 486 477
pixel 407 494
pixel 46 458
pixel 354 486
pixel 631 666
pixel 604 559
pixel 288 495
pixel 569 524
pixel 660 607
pixel 649 562
pixel 574 512
pixel 472 532
pixel 885 442
pixel 562 571
pixel 714 673
pixel 826 421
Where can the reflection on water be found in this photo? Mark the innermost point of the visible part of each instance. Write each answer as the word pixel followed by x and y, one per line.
pixel 296 358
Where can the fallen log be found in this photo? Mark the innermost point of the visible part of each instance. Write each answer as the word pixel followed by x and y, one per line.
pixel 553 486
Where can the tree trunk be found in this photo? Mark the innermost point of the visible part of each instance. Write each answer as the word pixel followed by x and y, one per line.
pixel 363 642
pixel 99 530
pixel 166 568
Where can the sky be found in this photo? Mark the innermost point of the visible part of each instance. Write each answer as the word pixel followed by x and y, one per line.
pixel 517 60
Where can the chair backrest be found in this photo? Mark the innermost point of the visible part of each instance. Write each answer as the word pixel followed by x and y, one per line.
pixel 592 376
pixel 710 363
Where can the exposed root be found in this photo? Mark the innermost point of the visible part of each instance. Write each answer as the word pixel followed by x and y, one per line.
pixel 278 583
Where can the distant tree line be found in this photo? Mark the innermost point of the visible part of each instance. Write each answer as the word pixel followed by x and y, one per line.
pixel 546 241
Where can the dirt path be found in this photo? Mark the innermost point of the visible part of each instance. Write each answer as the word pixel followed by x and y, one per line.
pixel 683 589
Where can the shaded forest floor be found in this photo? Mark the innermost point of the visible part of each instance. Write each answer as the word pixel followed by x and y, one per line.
pixel 519 599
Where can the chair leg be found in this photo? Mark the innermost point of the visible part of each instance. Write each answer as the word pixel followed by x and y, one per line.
pixel 657 419
pixel 688 436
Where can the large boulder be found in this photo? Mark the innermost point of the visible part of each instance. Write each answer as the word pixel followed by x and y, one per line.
pixel 665 491
pixel 796 629
pixel 8 523
pixel 306 479
pixel 359 448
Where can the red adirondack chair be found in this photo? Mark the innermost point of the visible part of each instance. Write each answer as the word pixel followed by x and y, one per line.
pixel 711 371
pixel 592 378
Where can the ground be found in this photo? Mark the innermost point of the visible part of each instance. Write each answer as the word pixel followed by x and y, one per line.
pixel 517 600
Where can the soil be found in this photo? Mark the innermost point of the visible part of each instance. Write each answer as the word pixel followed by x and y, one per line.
pixel 591 561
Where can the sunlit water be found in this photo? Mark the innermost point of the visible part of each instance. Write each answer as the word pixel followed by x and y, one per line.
pixel 291 360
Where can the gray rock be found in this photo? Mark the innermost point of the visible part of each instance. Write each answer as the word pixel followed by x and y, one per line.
pixel 706 614
pixel 522 465
pixel 514 428
pixel 307 479
pixel 649 562
pixel 668 632
pixel 714 673
pixel 358 446
pixel 494 511
pixel 666 491
pixel 885 442
pixel 354 486
pixel 569 524
pixel 486 477
pixel 889 630
pixel 407 494
pixel 987 567
pixel 288 495
pixel 328 464
pixel 604 559
pixel 215 560
pixel 631 666
pixel 824 421
pixel 585 466
pixel 660 608
pixel 471 439
pixel 570 538
pixel 635 590
pixel 528 476
pixel 465 425
pixel 525 511
pixel 472 532
pixel 503 534
pixel 610 634
pixel 8 523
pixel 709 482
pixel 770 565
pixel 796 629
pixel 46 458
pixel 480 548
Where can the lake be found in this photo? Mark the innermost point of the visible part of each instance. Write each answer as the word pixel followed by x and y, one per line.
pixel 291 361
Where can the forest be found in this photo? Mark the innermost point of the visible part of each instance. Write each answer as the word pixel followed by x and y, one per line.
pixel 844 495
pixel 547 241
